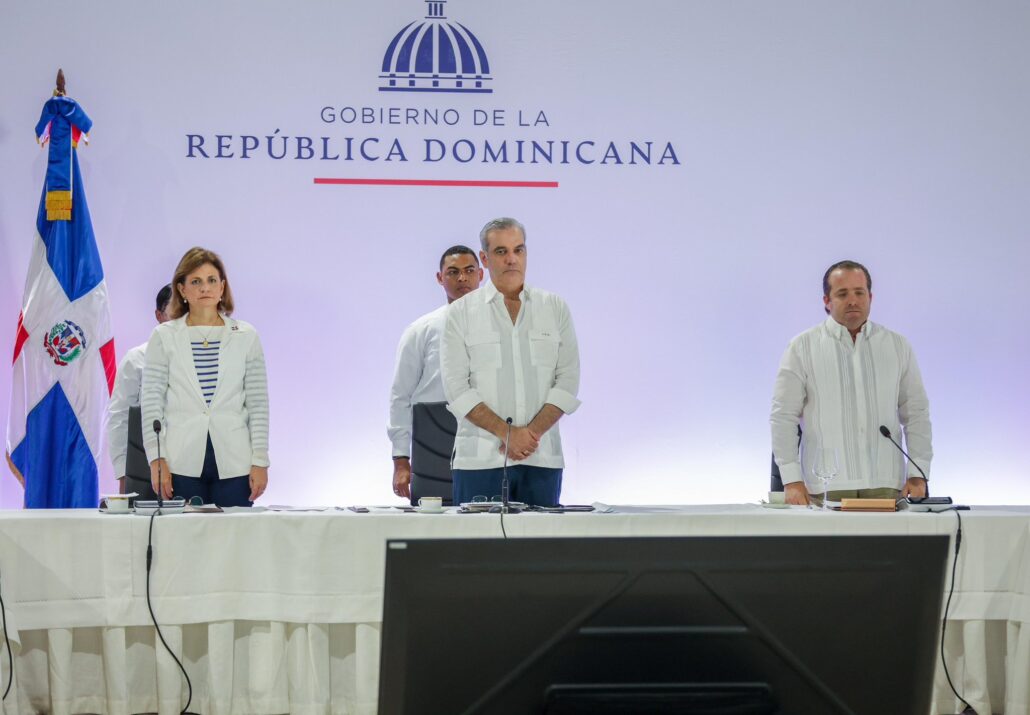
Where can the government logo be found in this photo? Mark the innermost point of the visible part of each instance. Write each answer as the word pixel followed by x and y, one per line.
pixel 435 55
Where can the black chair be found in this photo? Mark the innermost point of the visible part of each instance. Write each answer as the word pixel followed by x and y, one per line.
pixel 137 468
pixel 432 440
pixel 775 481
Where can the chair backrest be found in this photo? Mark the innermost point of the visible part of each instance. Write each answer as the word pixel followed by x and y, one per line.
pixel 136 464
pixel 775 481
pixel 137 468
pixel 432 440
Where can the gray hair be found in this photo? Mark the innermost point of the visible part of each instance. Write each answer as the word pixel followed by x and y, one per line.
pixel 499 224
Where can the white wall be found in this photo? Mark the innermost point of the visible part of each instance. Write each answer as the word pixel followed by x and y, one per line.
pixel 891 133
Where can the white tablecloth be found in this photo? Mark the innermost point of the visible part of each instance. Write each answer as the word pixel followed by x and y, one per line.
pixel 279 612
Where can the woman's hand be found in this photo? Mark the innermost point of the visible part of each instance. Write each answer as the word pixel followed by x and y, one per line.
pixel 258 481
pixel 164 489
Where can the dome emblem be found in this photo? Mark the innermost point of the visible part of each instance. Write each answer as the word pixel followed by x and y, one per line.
pixel 435 55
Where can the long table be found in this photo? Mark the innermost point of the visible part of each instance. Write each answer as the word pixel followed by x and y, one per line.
pixel 279 612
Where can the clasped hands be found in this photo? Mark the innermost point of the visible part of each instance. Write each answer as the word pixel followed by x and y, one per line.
pixel 521 444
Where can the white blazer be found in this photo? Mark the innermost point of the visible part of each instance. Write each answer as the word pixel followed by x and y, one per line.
pixel 171 393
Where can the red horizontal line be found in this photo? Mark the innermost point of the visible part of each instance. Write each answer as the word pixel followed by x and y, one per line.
pixel 441 182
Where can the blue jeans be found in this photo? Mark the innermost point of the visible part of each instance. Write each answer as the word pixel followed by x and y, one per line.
pixel 234 491
pixel 536 486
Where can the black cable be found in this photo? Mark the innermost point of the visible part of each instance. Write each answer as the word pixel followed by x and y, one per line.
pixel 7 642
pixel 150 558
pixel 947 606
pixel 502 524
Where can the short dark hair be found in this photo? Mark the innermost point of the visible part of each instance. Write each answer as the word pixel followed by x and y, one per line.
pixel 458 250
pixel 846 266
pixel 163 296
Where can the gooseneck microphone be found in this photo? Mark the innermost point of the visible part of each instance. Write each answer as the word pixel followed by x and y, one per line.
pixel 150 559
pixel 505 507
pixel 887 433
pixel 157 431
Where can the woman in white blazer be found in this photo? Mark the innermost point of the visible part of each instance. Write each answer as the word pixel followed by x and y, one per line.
pixel 204 381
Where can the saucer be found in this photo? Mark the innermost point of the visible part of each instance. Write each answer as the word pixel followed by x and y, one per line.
pixel 420 510
pixel 105 510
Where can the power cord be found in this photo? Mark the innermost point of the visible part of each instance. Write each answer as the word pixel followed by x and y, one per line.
pixel 947 606
pixel 7 642
pixel 150 558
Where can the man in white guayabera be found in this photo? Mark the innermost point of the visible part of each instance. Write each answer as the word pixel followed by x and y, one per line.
pixel 509 353
pixel 416 375
pixel 841 382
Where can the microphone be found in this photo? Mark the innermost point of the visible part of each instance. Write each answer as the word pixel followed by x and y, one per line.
pixel 150 557
pixel 505 507
pixel 887 433
pixel 157 431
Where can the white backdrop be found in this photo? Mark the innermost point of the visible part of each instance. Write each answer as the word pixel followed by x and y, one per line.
pixel 803 132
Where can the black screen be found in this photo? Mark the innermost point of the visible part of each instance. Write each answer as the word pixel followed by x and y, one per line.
pixel 712 625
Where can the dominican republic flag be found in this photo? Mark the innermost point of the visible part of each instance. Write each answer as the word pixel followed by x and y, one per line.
pixel 64 361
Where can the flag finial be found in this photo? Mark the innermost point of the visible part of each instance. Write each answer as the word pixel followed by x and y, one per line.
pixel 62 124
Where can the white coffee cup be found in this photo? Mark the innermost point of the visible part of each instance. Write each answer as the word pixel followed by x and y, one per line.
pixel 430 504
pixel 116 502
pixel 777 498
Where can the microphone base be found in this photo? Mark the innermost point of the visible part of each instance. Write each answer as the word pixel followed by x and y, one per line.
pixel 505 510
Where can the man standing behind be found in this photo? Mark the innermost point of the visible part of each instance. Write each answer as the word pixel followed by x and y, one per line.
pixel 842 380
pixel 416 377
pixel 125 396
pixel 509 354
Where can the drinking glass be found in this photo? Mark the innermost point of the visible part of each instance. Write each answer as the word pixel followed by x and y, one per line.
pixel 825 468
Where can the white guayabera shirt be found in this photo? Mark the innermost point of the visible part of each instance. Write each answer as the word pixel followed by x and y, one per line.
pixel 514 369
pixel 125 395
pixel 416 376
pixel 841 392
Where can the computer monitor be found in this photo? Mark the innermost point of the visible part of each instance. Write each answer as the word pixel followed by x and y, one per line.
pixel 713 625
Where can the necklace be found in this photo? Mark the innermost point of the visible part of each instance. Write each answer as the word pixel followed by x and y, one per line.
pixel 209 335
